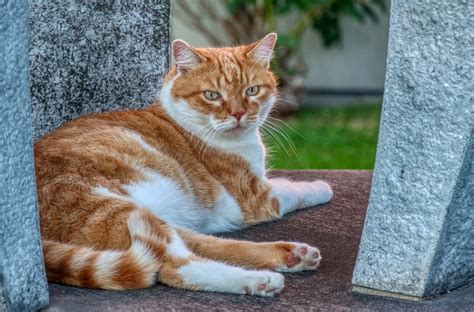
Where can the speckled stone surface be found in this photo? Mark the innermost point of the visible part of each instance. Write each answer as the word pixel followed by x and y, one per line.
pixel 418 237
pixel 453 262
pixel 88 56
pixel 24 286
pixel 3 307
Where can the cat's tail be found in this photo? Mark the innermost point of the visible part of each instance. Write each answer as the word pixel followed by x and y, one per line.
pixel 111 269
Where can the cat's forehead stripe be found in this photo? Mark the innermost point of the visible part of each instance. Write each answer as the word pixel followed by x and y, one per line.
pixel 231 68
pixel 221 81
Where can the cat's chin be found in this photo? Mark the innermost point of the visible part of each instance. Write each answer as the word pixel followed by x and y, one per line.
pixel 236 131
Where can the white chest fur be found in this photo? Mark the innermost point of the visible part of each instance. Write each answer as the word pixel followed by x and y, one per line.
pixel 249 147
pixel 167 201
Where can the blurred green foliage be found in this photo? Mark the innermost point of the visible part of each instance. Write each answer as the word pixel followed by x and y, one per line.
pixel 323 16
pixel 245 21
pixel 325 138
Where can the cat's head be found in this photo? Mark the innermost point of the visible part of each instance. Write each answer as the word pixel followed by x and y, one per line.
pixel 228 91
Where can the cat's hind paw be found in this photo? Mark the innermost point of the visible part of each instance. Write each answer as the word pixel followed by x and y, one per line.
pixel 263 283
pixel 321 193
pixel 301 257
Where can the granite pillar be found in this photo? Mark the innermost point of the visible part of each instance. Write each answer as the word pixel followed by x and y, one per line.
pixel 84 56
pixel 23 284
pixel 95 55
pixel 418 238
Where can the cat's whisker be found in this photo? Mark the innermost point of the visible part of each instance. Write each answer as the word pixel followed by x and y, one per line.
pixel 287 139
pixel 280 99
pixel 212 137
pixel 271 148
pixel 277 120
pixel 205 141
pixel 195 136
pixel 275 129
pixel 224 125
pixel 282 131
pixel 276 141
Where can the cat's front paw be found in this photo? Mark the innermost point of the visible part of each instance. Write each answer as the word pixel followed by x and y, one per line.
pixel 321 193
pixel 264 283
pixel 301 257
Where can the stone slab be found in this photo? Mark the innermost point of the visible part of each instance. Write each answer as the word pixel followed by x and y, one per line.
pixel 24 286
pixel 418 237
pixel 90 56
pixel 383 293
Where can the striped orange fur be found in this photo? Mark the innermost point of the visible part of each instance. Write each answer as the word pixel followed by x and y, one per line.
pixel 124 195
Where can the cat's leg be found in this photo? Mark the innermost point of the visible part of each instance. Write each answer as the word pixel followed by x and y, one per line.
pixel 278 256
pixel 182 268
pixel 293 195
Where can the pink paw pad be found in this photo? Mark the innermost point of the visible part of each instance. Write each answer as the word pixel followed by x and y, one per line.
pixel 302 257
pixel 262 287
pixel 266 284
pixel 292 260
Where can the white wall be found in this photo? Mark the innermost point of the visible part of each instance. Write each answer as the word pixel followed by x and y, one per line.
pixel 359 62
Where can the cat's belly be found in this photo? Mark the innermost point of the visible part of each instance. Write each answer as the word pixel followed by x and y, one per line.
pixel 170 203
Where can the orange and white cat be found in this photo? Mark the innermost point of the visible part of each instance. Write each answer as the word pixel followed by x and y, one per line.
pixel 128 198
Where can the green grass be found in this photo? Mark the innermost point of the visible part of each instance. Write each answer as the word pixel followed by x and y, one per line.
pixel 326 138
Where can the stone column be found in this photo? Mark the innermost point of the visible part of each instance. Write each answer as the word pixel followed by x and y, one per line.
pixel 23 284
pixel 85 56
pixel 418 238
pixel 95 55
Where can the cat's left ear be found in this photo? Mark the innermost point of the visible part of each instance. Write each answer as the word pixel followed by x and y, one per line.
pixel 262 50
pixel 185 57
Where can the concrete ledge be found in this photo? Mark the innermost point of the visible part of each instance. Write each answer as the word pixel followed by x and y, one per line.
pixel 382 293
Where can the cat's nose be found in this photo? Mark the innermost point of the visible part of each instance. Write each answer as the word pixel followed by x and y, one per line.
pixel 238 115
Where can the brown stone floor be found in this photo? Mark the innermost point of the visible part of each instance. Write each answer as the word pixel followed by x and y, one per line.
pixel 335 228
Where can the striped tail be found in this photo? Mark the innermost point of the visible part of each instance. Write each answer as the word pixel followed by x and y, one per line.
pixel 111 269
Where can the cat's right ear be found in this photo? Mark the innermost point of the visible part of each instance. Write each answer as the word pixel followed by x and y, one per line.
pixel 262 50
pixel 185 57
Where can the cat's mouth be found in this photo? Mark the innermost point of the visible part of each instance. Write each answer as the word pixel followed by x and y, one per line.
pixel 235 128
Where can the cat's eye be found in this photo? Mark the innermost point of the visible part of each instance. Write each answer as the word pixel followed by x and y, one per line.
pixel 211 95
pixel 252 90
